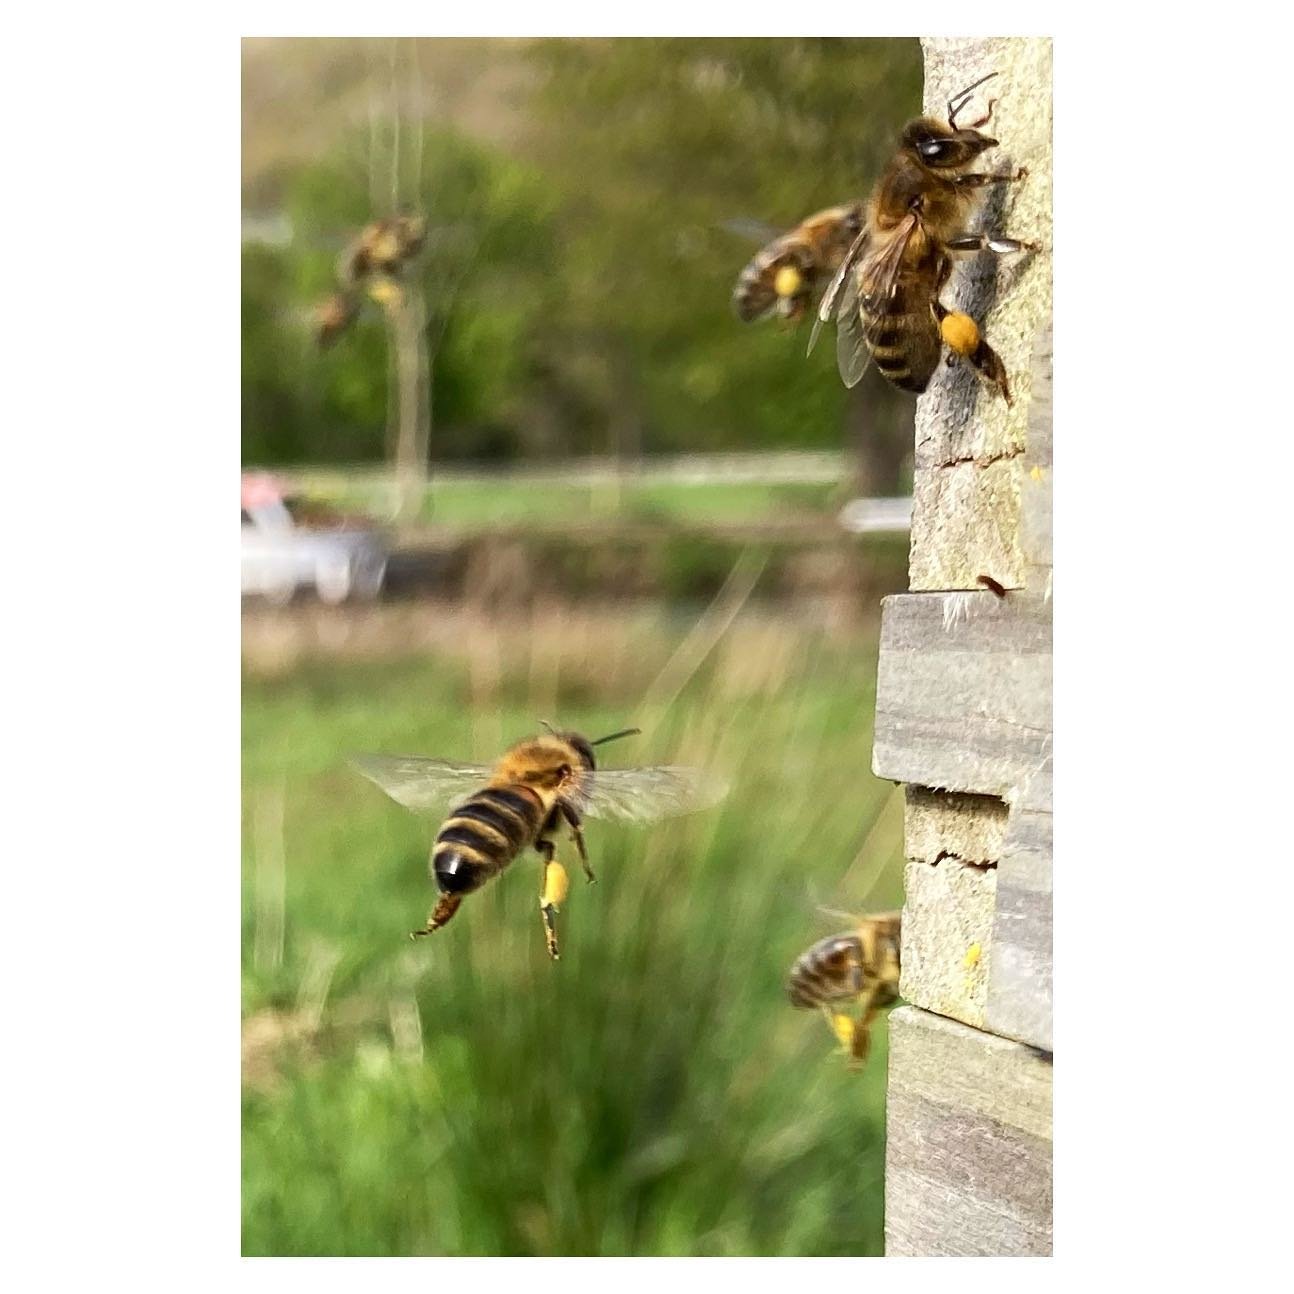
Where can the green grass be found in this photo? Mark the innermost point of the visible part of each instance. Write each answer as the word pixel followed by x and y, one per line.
pixel 652 1093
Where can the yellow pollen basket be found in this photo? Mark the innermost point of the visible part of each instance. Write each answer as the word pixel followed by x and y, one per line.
pixel 385 292
pixel 844 1027
pixel 788 281
pixel 556 885
pixel 960 332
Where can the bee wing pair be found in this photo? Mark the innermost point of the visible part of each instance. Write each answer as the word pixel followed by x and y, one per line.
pixel 427 786
pixel 869 275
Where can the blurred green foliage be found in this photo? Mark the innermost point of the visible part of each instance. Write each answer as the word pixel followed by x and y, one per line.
pixel 651 1093
pixel 579 283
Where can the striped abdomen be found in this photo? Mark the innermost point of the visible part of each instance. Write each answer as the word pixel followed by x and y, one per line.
pixel 902 334
pixel 483 835
pixel 830 971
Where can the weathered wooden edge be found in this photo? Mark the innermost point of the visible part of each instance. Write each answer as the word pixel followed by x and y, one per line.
pixel 968 1153
pixel 969 479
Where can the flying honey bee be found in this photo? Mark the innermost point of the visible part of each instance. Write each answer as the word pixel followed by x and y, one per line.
pixel 334 316
pixel 522 802
pixel 884 298
pixel 787 273
pixel 372 265
pixel 860 966
pixel 383 247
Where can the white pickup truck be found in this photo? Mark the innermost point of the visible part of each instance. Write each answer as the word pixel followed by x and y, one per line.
pixel 338 557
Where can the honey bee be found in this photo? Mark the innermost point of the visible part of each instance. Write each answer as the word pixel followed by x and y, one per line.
pixel 537 786
pixel 860 966
pixel 884 298
pixel 334 316
pixel 383 247
pixel 371 266
pixel 788 272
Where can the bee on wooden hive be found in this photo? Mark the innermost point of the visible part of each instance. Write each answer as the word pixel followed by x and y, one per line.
pixel 858 969
pixel 788 272
pixel 884 296
pixel 535 788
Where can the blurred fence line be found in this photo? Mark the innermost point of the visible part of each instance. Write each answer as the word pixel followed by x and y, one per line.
pixel 783 467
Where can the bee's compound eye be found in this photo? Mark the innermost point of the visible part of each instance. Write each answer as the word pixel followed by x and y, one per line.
pixel 563 772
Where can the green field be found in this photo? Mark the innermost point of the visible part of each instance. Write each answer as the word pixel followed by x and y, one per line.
pixel 652 1093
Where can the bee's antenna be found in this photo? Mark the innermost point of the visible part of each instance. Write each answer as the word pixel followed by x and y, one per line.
pixel 549 726
pixel 624 732
pixel 959 101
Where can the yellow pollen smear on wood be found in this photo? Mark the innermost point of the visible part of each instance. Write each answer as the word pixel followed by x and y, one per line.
pixel 556 885
pixel 787 281
pixel 972 956
pixel 960 332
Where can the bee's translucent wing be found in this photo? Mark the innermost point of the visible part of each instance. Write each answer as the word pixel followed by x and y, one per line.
pixel 829 305
pixel 757 231
pixel 645 794
pixel 852 355
pixel 421 785
pixel 878 275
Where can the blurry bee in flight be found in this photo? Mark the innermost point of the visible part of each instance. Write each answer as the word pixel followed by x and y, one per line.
pixel 787 273
pixel 371 265
pixel 383 247
pixel 859 967
pixel 522 802
pixel 884 298
pixel 334 316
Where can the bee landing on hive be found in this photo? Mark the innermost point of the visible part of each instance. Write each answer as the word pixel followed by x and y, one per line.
pixel 858 968
pixel 522 802
pixel 884 296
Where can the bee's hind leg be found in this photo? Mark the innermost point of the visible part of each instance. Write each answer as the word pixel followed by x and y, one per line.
pixel 440 915
pixel 962 335
pixel 552 890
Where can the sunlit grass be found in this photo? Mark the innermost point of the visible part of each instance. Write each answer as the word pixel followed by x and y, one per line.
pixel 652 1093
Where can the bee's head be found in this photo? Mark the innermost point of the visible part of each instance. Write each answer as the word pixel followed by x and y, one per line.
pixel 584 747
pixel 938 148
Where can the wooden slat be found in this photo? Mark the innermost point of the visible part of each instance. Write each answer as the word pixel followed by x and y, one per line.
pixel 963 699
pixel 968 1148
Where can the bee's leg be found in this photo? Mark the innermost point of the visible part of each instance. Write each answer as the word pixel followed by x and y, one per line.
pixel 573 819
pixel 962 335
pixel 440 915
pixel 548 895
pixel 979 179
pixel 988 243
